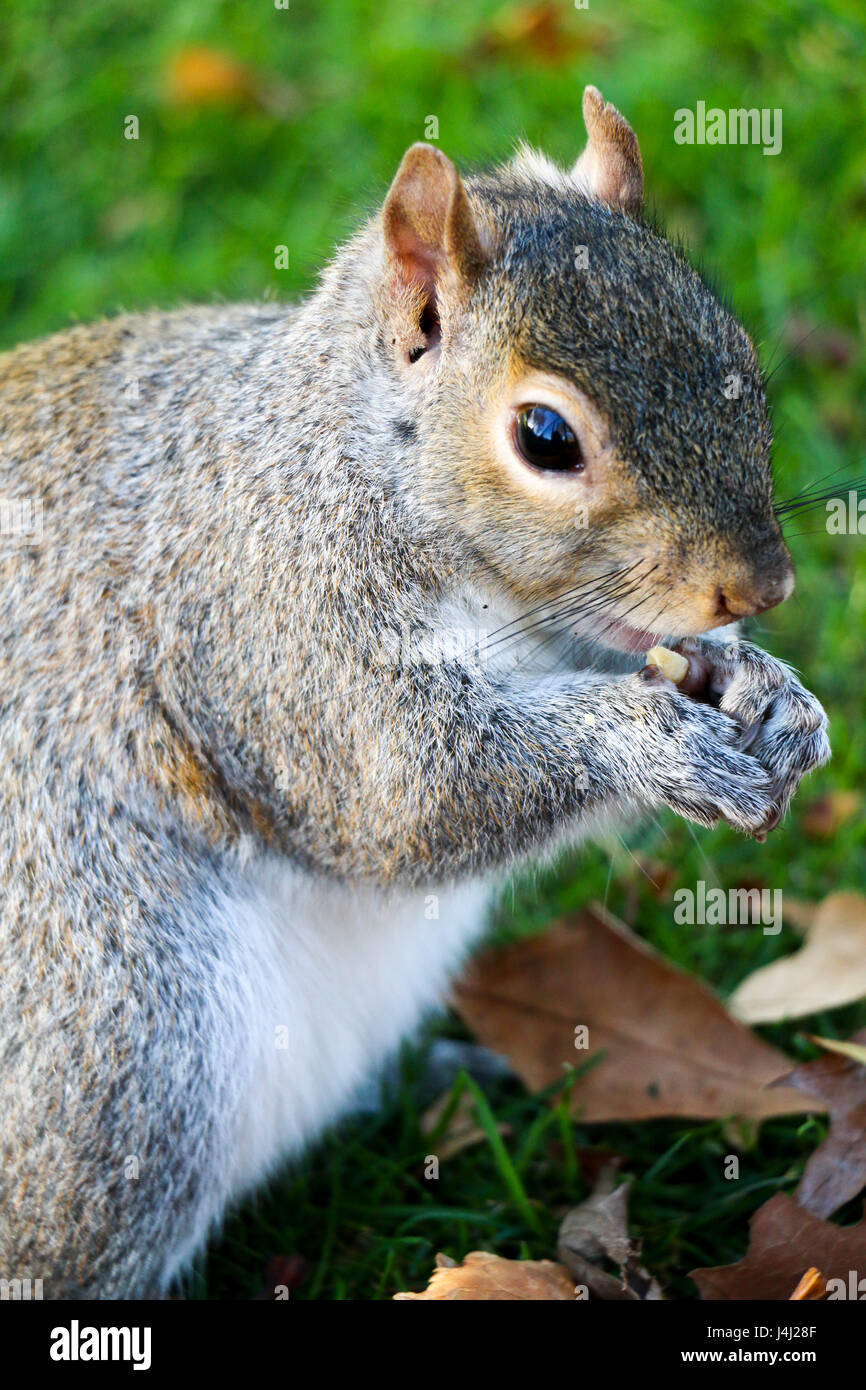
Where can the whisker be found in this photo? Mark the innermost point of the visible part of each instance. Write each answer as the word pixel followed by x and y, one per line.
pixel 815 502
pixel 832 473
pixel 619 619
pixel 614 621
pixel 711 869
pixel 795 348
pixel 810 496
pixel 643 597
pixel 770 370
pixel 600 602
pixel 622 569
pixel 595 591
pixel 561 616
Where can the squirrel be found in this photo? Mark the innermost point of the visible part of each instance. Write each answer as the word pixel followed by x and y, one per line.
pixel 256 790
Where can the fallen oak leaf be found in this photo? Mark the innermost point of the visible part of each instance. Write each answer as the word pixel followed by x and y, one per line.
pixel 597 1229
pixel 783 1241
pixel 836 1171
pixel 669 1046
pixel 810 1288
pixel 484 1277
pixel 827 971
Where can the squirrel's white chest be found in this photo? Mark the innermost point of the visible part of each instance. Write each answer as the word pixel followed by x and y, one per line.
pixel 333 977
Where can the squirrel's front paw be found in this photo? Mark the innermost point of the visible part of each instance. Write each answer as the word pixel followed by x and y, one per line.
pixel 688 755
pixel 785 727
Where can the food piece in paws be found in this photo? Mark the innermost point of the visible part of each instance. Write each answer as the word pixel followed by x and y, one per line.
pixel 671 664
pixel 691 673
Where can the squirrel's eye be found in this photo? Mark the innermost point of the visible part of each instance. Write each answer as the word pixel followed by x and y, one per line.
pixel 547 441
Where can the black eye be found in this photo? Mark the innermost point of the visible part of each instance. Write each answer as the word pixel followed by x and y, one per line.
pixel 546 441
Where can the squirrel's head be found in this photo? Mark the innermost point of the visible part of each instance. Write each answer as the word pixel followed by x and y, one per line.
pixel 583 411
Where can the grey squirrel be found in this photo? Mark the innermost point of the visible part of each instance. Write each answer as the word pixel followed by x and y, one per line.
pixel 249 831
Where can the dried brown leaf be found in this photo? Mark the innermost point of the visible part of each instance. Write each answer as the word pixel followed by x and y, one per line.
pixel 484 1277
pixel 828 971
pixel 836 1171
pixel 785 1240
pixel 670 1047
pixel 597 1230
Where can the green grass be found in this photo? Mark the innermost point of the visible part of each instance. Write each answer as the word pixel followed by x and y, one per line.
pixel 91 223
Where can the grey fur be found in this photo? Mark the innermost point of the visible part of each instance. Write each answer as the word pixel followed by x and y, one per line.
pixel 239 505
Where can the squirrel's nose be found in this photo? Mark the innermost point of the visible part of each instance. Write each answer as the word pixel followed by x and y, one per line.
pixel 744 600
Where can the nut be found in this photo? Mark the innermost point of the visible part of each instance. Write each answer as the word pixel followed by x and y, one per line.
pixel 671 664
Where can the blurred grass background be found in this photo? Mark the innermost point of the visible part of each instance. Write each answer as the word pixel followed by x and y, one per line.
pixel 261 126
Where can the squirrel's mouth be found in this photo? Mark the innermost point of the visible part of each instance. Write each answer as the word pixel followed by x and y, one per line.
pixel 622 638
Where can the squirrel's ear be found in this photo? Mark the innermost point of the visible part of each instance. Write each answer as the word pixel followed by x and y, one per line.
pixel 610 167
pixel 428 224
